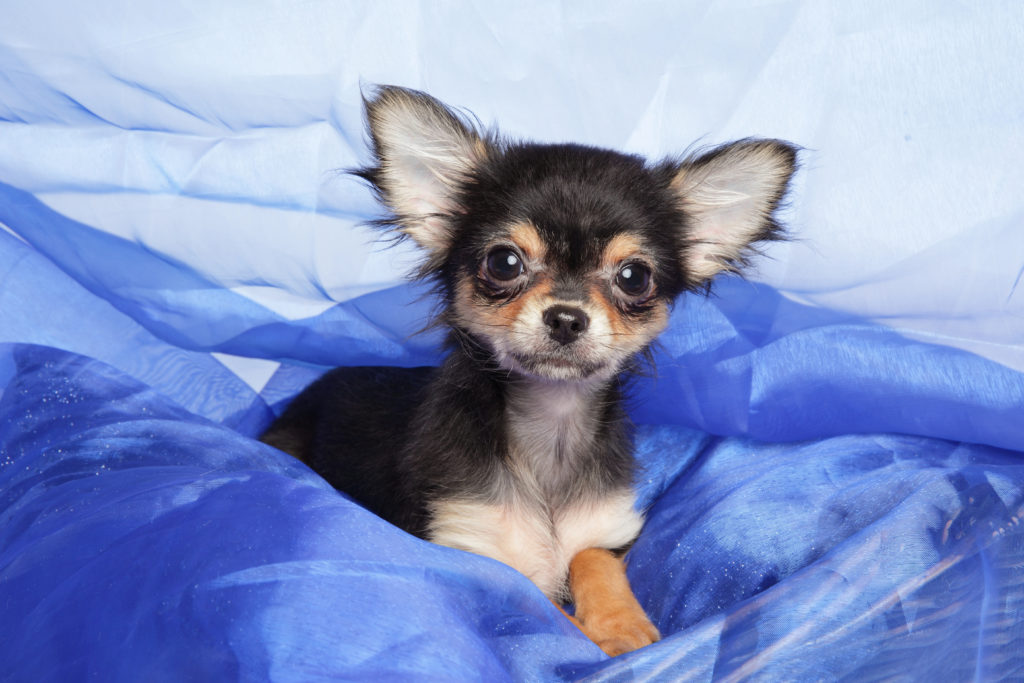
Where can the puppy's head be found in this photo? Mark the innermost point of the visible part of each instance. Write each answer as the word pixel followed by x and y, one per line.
pixel 563 260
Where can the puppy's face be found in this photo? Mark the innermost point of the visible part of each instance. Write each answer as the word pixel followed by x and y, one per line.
pixel 548 313
pixel 563 260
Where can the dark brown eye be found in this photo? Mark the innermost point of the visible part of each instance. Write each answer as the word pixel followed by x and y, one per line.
pixel 504 264
pixel 634 279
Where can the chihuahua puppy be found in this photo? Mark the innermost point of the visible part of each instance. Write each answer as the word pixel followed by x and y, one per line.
pixel 556 266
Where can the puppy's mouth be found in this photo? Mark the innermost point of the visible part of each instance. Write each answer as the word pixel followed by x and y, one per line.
pixel 556 365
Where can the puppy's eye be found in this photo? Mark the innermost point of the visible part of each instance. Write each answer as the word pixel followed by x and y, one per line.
pixel 634 279
pixel 504 265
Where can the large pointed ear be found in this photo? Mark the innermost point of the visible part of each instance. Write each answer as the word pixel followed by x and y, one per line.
pixel 729 196
pixel 424 152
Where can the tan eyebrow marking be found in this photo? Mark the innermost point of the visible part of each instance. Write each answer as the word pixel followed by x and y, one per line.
pixel 620 248
pixel 527 238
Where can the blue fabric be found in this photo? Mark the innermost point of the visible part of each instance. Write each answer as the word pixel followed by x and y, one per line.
pixel 832 450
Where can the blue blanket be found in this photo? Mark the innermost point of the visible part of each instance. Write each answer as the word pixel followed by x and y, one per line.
pixel 832 451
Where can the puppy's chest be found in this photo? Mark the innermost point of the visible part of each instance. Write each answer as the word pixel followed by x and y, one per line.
pixel 547 503
pixel 537 542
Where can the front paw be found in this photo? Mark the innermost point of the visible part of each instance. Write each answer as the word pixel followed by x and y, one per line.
pixel 620 629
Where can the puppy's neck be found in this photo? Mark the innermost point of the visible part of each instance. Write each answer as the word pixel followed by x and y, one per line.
pixel 552 428
pixel 547 403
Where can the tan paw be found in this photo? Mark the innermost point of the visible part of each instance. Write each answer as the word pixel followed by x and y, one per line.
pixel 620 630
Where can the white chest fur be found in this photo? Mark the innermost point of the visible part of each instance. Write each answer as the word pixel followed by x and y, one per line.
pixel 537 543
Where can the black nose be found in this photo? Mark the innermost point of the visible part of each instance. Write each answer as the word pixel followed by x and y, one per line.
pixel 565 323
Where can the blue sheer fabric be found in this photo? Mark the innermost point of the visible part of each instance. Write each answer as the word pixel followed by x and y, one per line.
pixel 831 450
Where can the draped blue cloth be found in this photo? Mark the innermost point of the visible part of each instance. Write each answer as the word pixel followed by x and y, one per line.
pixel 832 450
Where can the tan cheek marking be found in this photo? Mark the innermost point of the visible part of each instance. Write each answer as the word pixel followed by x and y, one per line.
pixel 620 248
pixel 622 326
pixel 527 238
pixel 475 313
pixel 611 311
pixel 540 290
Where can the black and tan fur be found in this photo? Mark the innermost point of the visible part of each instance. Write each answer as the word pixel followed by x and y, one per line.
pixel 556 267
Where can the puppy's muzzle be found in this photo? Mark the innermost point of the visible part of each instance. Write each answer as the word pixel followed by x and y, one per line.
pixel 565 323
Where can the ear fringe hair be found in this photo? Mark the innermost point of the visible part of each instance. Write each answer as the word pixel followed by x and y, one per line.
pixel 770 228
pixel 392 116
